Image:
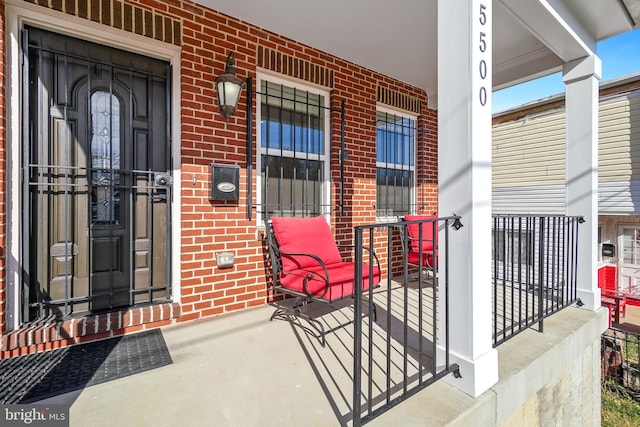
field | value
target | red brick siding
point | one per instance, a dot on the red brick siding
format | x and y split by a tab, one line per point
52	335
208	227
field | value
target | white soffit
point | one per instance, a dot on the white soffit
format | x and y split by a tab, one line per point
395	39
633	7
399	39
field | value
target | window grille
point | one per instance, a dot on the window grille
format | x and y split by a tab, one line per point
293	147
514	246
630	253
395	164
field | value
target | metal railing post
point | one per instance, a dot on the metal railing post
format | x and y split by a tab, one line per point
541	282
357	330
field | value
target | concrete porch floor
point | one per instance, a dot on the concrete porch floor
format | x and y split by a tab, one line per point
243	370
234	370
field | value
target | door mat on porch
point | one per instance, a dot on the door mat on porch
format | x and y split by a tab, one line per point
26	379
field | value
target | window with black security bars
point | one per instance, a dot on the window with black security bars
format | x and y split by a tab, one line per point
396	137
293	147
514	245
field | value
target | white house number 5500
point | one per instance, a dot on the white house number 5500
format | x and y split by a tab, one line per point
483	49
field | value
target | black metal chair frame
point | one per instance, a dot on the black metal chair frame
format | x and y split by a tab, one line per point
423	270
303	299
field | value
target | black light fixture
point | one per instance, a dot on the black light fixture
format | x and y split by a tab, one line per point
229	87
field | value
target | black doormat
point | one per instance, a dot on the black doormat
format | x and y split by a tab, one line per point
26	379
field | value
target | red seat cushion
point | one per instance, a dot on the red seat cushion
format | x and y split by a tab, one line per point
427	258
308	236
340	279
428	238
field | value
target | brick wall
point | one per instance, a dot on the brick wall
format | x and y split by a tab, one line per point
48	335
206	37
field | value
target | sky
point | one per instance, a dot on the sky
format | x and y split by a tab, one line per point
620	56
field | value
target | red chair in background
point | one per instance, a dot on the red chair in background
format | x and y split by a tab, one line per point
422	241
616	302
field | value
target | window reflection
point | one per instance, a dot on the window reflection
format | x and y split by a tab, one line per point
631	246
105	158
395	161
295	186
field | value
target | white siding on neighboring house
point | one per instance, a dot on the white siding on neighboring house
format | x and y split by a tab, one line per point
528	164
548	199
529	160
619	155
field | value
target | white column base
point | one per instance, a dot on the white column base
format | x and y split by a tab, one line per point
590	298
477	375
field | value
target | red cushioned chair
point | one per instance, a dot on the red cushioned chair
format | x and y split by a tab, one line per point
307	264
616	303
422	241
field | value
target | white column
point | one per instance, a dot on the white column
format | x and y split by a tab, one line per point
581	79
464	184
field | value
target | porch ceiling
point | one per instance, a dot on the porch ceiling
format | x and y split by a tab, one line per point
531	38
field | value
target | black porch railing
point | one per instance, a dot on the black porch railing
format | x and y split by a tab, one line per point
404	345
534	270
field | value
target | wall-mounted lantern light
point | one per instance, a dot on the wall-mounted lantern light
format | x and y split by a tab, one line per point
229	87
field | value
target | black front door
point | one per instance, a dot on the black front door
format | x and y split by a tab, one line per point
97	139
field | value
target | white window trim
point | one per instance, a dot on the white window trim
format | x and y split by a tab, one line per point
325	158
19	14
414	195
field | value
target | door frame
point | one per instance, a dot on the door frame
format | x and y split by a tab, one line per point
620	257
19	14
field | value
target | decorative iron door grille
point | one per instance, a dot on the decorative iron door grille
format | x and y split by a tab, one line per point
96	186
